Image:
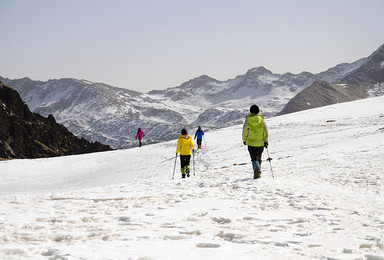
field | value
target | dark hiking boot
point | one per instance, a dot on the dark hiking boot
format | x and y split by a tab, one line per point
256	174
183	175
187	171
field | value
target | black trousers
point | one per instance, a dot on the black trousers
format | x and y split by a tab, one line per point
184	160
255	153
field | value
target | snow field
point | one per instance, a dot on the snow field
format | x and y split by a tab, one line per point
325	202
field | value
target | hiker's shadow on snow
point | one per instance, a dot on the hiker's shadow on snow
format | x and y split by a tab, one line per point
243	180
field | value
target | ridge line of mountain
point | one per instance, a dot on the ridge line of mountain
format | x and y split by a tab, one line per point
112	115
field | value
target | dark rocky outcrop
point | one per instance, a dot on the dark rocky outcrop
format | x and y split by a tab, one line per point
322	93
370	73
24	134
367	80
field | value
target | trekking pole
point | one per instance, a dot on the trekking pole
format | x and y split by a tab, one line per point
174	168
270	164
194	170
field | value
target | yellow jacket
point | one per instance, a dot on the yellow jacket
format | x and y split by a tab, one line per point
184	145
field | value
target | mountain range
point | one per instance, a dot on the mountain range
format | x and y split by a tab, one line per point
111	115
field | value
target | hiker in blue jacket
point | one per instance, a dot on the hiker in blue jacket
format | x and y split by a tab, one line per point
199	135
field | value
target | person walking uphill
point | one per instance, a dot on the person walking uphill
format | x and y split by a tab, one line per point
255	135
184	147
140	134
199	135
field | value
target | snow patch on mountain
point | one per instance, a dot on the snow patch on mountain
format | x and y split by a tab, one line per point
376	90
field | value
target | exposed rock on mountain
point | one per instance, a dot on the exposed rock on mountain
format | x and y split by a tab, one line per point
24	134
364	81
370	73
322	93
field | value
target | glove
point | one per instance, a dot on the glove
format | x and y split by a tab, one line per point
245	143
266	144
193	150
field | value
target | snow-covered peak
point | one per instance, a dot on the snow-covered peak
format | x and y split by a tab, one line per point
258	70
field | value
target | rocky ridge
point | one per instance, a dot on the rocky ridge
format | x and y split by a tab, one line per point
365	81
24	134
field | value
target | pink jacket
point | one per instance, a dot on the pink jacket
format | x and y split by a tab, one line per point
140	134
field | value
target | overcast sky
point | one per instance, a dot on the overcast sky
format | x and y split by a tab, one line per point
155	44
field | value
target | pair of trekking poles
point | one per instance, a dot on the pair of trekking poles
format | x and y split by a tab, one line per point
194	171
174	167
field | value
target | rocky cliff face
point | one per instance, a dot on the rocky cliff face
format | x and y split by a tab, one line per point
24	134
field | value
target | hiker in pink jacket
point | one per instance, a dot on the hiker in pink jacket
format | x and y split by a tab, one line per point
140	134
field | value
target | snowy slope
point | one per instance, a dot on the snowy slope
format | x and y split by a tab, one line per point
325	202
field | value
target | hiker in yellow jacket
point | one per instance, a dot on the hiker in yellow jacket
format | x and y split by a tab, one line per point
184	146
255	135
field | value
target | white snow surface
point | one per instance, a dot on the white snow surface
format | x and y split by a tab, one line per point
324	202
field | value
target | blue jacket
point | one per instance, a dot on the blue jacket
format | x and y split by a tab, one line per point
199	134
